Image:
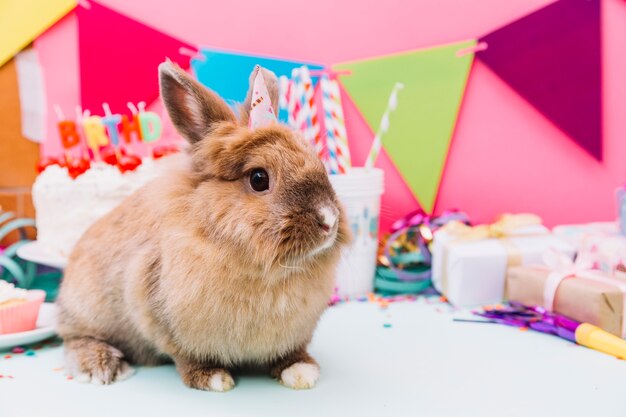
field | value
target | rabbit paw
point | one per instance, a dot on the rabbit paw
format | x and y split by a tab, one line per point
209	379
300	375
93	361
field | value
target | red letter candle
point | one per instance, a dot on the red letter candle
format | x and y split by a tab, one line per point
131	126
69	135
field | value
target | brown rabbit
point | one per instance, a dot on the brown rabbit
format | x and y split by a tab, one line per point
226	261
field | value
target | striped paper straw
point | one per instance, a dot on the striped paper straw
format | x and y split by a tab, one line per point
384	126
283	92
293	99
336	138
308	118
343	151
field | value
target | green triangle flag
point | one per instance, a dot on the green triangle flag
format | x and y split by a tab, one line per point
421	127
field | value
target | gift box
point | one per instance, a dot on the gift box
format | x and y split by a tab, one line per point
469	263
602	241
577	234
586	296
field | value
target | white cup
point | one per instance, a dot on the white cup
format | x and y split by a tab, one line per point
359	191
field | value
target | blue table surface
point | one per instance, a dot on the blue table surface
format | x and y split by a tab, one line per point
423	364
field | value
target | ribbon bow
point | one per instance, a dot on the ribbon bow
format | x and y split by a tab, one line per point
503	227
584	267
562	268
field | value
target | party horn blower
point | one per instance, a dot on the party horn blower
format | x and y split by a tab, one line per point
541	320
384	126
336	137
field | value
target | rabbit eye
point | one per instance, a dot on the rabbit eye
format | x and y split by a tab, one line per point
259	180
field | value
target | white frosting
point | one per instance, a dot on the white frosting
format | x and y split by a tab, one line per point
9	292
66	208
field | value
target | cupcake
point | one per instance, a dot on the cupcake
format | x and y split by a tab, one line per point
18	308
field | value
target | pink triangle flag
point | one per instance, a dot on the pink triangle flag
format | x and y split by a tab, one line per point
119	58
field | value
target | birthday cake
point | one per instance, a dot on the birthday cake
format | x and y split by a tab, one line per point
100	166
66	207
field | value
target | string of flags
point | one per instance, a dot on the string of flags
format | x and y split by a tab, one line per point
420	131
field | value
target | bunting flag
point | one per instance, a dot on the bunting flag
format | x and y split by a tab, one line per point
119	58
552	58
422	126
227	73
23	20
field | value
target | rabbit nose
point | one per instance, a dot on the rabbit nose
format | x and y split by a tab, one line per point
328	218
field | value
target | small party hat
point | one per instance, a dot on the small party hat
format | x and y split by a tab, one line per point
261	111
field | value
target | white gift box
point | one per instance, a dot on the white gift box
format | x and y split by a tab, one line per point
577	234
473	272
601	242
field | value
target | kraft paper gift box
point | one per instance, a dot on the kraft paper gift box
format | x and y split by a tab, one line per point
588	296
469	265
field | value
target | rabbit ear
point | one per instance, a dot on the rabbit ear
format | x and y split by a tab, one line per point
193	108
271	82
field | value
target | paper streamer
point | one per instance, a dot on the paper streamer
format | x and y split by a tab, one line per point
384	126
32	95
336	136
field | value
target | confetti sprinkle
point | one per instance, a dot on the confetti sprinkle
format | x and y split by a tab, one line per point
17	349
69	378
8	356
387	325
30	353
523	329
57	369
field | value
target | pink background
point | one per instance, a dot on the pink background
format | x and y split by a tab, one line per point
505	156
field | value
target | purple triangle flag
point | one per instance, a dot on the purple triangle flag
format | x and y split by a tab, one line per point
552	58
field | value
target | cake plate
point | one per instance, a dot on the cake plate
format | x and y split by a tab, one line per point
36	252
46	328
